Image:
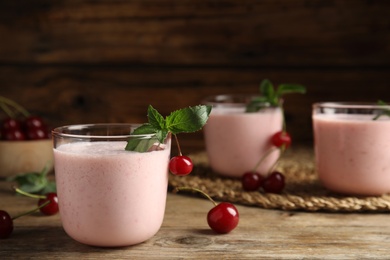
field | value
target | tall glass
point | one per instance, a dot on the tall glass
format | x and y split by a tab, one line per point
236	139
352	144
109	196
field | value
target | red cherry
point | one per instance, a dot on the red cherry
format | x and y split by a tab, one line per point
35	128
274	183
181	165
37	133
223	218
33	122
13	135
251	181
10	123
52	207
281	138
6	224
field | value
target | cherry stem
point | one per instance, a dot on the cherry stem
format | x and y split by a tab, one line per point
5	102
34	196
197	190
178	145
7	110
267	153
32	211
284	126
282	150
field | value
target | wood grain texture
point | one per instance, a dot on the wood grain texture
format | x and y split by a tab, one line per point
105	94
193	33
85	61
261	234
80	61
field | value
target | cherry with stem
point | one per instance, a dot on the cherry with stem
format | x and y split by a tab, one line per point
222	218
49	200
7	222
180	165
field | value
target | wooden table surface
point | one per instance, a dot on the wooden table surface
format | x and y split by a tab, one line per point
261	234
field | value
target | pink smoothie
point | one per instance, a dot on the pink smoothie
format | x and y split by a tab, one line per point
352	153
235	140
109	196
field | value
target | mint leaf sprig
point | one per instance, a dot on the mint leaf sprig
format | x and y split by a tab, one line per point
271	96
186	120
384	112
34	182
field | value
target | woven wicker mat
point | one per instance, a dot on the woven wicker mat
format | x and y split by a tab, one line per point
302	192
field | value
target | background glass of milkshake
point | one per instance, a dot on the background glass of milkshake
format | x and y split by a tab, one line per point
109	196
352	147
235	139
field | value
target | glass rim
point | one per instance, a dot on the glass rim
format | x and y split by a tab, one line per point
350	105
231	100
59	131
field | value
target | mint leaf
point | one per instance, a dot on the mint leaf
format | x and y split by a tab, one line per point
155	118
256	104
141	143
144	129
161	135
290	88
271	96
34	182
384	112
50	187
268	91
186	120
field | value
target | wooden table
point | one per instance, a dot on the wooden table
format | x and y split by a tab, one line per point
185	234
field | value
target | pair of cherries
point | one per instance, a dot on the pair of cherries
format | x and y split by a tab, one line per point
275	181
30	128
47	205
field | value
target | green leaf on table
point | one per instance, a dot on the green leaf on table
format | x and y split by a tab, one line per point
34	182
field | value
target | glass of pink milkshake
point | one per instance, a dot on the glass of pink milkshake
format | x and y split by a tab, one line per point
236	139
108	196
352	144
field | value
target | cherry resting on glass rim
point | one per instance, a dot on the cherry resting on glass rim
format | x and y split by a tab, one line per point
281	138
251	181
181	165
6	224
223	218
52	207
273	183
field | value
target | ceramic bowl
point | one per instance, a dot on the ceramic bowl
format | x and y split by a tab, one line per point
17	157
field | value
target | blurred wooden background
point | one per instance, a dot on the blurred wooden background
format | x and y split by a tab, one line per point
86	61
